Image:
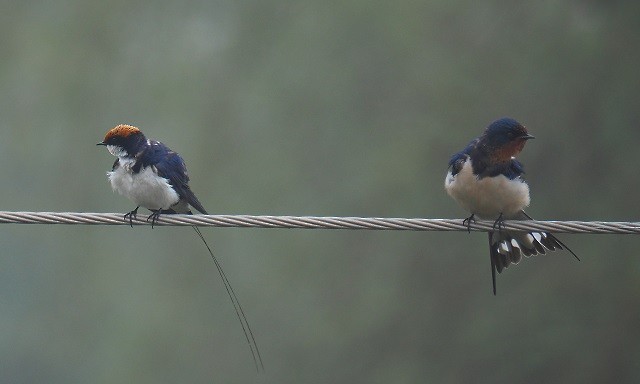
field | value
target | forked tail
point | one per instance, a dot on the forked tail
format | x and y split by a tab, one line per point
508	247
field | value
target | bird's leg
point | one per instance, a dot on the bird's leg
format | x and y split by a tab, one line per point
468	221
499	223
154	216
131	215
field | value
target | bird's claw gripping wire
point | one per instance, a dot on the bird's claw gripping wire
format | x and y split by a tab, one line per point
468	221
499	223
131	216
154	217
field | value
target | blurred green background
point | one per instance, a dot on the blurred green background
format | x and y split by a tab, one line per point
317	108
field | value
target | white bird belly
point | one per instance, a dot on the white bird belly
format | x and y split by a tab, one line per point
145	188
488	197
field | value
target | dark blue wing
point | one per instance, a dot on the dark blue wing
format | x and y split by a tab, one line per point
170	166
457	160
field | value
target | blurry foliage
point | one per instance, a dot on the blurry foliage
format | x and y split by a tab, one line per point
320	108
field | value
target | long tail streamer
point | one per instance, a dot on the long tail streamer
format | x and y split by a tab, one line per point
246	328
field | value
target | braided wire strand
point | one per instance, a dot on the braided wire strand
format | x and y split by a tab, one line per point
320	222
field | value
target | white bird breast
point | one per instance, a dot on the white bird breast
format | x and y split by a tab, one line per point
487	197
145	188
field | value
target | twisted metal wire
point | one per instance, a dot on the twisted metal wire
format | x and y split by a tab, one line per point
317	222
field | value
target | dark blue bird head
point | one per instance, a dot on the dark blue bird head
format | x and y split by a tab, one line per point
504	138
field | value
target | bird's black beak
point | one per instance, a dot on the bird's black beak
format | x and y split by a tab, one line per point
527	137
102	143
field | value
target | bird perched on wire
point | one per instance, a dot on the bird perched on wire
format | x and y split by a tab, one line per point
155	177
487	181
148	173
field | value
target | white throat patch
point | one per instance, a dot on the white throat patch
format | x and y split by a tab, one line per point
117	151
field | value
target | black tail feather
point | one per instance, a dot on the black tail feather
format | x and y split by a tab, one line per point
244	323
493	255
507	248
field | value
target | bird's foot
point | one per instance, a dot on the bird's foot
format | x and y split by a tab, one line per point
131	215
468	221
154	217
